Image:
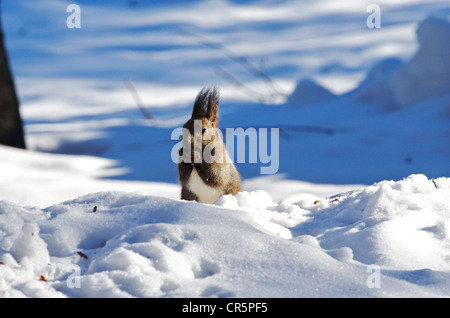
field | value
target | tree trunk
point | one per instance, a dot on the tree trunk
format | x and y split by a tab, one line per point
11	130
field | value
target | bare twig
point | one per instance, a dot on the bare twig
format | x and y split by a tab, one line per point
434	182
241	60
250	92
286	131
138	100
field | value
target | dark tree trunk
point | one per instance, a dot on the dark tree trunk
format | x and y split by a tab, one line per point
11	130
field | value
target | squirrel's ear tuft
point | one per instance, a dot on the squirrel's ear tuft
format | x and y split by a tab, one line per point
201	104
207	104
213	105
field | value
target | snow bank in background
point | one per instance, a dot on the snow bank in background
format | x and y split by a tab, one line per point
394	84
308	92
425	76
116	244
393	125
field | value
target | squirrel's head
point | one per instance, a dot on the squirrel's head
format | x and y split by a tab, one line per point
202	128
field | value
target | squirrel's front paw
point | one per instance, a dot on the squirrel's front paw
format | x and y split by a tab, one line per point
196	157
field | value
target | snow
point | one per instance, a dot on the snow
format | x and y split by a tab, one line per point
41	179
431	62
137	245
360	204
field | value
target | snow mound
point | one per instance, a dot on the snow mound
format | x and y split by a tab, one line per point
308	92
394	224
427	75
375	88
30	246
116	244
393	84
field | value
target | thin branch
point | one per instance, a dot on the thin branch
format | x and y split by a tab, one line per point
241	60
138	100
234	81
286	131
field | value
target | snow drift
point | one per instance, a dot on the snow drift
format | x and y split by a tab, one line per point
117	244
394	84
394	124
426	76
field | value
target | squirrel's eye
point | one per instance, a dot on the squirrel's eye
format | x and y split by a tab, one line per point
203	131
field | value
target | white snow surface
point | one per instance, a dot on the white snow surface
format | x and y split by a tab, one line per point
137	245
360	206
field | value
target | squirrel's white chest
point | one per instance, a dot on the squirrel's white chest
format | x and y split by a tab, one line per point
204	192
